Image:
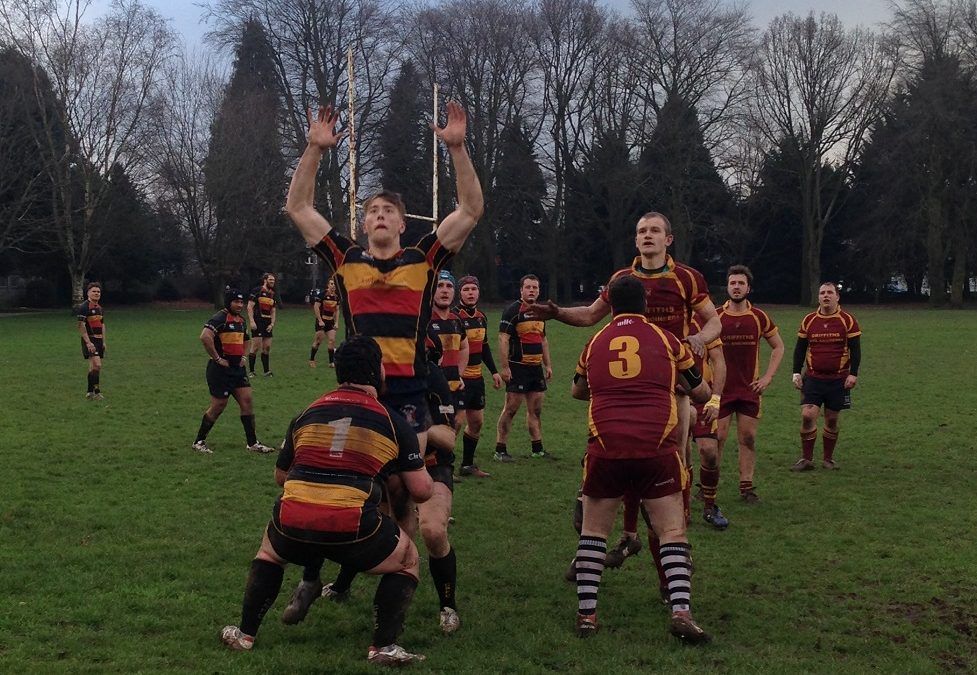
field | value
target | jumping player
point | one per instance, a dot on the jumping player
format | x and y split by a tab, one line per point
526	369
744	325
324	306
223	340
829	343
629	372
332	466
265	300
473	393
91	327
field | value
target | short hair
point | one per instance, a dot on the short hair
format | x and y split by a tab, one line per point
389	196
627	296
93	284
468	279
358	361
660	216
528	277
740	269
833	284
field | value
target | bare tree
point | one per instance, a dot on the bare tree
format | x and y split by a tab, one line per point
104	75
819	89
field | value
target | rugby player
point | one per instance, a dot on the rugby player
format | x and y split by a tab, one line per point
829	343
223	340
526	369
674	293
324	305
91	327
332	466
743	326
629	371
706	415
264	299
473	393
386	290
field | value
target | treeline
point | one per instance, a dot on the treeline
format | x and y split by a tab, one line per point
806	149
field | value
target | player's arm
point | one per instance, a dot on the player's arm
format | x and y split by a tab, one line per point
463	353
489	362
207	338
274	315
104	343
286	456
410	462
83	331
504	371
580	389
691	379
776	356
455	228
572	316
854	361
254	326
717	362
300	203
711	324
316	306
800	352
547	364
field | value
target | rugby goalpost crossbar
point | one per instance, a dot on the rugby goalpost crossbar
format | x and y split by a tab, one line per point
353	201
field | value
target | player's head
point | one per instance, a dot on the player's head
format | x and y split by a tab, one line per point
739	282
444	292
331	285
93	291
359	361
829	295
529	288
468	290
233	300
383	217
627	296
653	234
268	280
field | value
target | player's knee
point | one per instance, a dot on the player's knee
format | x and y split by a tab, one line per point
435	535
748	440
474	427
710	457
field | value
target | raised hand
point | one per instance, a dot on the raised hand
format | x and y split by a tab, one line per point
453	133
322	128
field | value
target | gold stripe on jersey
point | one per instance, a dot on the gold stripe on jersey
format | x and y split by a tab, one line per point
324	494
356	439
412	276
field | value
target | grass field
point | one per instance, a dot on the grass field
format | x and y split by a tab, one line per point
123	550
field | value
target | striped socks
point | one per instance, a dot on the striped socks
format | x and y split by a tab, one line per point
591	552
677	563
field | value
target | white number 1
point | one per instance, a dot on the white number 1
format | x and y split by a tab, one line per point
340	430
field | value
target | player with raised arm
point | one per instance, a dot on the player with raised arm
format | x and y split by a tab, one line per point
336	456
629	371
223	340
829	345
473	393
91	327
744	325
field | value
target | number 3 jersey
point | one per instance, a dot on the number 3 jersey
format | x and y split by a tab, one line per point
337	454
632	366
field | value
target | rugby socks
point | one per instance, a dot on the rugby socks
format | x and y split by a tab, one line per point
828	438
264	583
332	355
807	444
393	596
312	353
710	484
677	565
591	553
344	580
502	448
248	422
444	571
313	573
469	443
745	486
538	446
251	359
264	361
96	373
206	424
91	382
631	504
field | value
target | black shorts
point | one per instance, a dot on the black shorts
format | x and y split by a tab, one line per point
526	379
829	393
443	473
412	406
473	395
325	326
222	381
99	348
261	329
361	555
440	398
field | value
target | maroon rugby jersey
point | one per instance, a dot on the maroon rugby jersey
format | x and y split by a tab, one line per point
827	343
672	295
631	367
741	346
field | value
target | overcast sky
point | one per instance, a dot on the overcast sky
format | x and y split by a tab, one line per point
185	15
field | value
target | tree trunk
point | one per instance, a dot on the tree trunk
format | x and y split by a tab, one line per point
77	285
959	279
936	257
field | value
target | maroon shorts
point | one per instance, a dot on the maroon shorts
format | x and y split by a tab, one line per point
703	429
742	404
647	477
